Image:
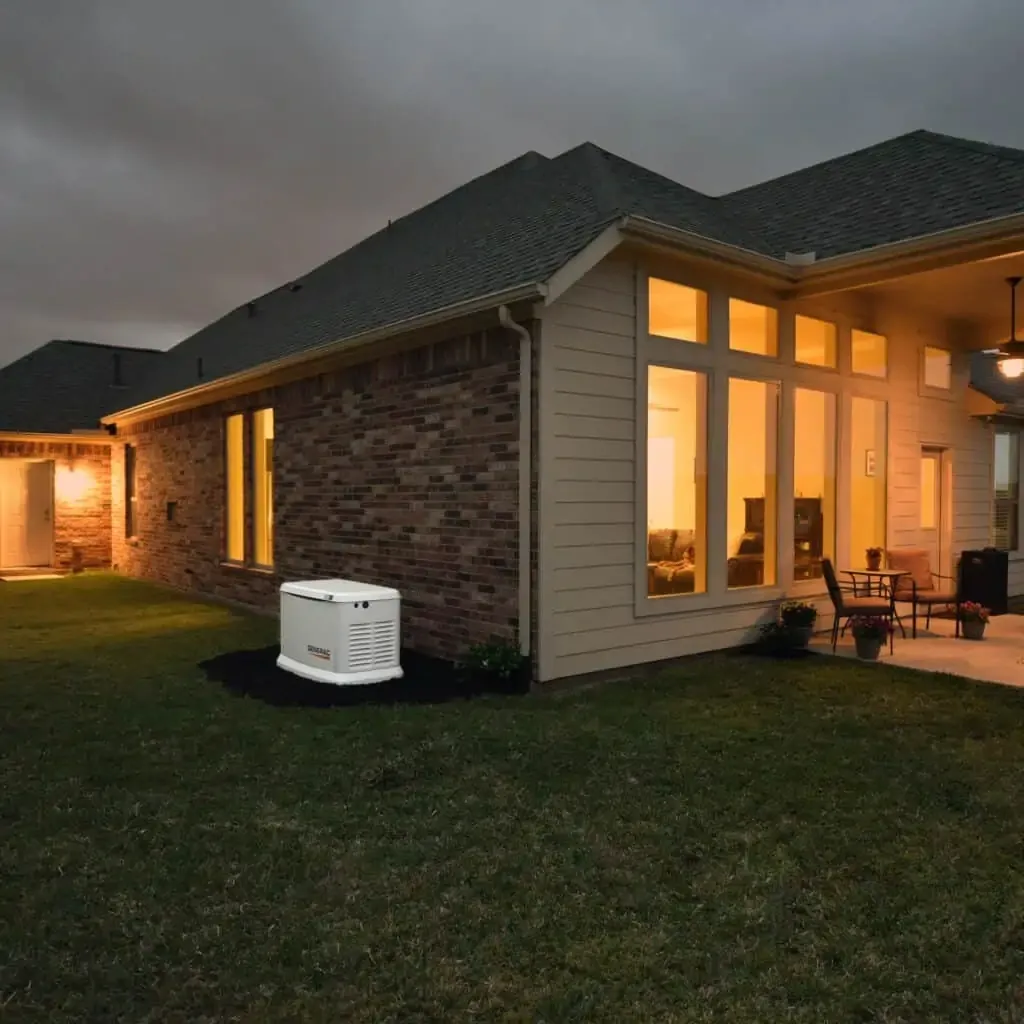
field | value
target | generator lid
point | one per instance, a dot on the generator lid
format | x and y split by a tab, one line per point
339	590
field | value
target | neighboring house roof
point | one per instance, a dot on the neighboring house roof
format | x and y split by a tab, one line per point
521	223
68	385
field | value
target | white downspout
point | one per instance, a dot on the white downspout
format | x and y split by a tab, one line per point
525	472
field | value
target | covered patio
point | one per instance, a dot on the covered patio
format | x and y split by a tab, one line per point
999	658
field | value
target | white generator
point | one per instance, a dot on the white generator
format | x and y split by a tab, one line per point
340	632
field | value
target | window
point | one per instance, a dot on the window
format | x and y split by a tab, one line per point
1007	490
814	481
129	490
815	341
234	476
676	482
938	368
753	328
263	486
751	515
677	311
868	354
868	459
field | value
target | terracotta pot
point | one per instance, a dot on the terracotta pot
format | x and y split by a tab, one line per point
974	629
868	647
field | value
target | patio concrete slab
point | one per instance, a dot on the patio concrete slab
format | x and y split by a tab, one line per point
999	658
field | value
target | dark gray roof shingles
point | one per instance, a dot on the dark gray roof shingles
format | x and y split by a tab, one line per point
68	385
520	223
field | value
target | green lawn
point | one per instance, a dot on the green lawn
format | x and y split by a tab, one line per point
739	840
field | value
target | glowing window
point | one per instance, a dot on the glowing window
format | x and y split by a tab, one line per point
677	311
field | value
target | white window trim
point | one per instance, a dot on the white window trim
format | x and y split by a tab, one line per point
719	363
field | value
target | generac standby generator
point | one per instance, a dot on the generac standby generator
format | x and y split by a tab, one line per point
340	632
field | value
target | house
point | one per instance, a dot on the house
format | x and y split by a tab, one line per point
579	404
55	492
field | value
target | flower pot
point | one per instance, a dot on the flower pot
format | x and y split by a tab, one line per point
874	562
868	647
801	635
974	629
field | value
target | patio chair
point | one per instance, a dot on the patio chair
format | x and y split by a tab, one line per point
921	587
846	604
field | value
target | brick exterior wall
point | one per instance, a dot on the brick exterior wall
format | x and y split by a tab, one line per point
402	471
82	497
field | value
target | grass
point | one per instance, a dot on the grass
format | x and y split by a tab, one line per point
737	840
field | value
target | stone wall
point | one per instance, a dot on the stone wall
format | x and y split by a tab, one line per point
402	471
82	497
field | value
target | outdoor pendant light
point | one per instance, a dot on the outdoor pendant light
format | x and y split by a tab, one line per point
1011	353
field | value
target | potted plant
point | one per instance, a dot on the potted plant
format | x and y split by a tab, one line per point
874	558
798	618
973	618
869	633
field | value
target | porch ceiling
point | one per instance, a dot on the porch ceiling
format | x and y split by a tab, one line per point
975	295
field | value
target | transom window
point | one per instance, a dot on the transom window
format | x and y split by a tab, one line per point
815	341
677	311
868	354
753	328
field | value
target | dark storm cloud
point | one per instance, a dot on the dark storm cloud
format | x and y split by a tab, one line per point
162	162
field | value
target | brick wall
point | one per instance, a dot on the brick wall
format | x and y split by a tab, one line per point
82	497
402	471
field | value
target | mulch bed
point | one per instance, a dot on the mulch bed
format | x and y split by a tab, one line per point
427	680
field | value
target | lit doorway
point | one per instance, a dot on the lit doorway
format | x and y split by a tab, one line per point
935	519
26	514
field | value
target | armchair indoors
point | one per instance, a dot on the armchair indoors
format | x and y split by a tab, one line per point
922	587
846	604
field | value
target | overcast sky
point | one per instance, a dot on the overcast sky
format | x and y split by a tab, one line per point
162	161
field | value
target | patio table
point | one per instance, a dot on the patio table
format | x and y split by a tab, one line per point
884	580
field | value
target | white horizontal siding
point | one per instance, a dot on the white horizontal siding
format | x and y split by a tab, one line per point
588	615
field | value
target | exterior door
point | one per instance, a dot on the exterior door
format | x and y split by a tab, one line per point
26	514
934	526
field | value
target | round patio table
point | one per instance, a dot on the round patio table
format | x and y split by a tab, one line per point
880	581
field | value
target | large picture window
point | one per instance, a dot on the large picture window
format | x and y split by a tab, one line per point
263	486
752	482
814	481
868	460
1006	507
676	482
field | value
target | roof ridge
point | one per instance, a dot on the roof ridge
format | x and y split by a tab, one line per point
607	192
974	145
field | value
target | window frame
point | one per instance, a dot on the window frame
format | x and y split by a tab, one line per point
718	362
248	510
226	484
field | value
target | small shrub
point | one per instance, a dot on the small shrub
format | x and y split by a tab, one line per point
798	614
498	658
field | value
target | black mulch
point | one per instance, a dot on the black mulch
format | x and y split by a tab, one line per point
426	681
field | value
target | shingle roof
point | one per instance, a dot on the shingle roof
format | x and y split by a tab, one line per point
68	385
520	223
913	185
